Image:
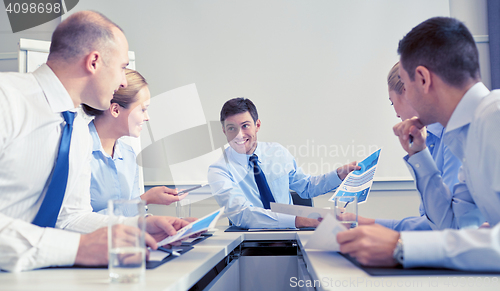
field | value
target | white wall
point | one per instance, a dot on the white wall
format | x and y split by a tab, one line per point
474	14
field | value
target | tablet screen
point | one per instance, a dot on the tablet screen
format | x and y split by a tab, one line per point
202	224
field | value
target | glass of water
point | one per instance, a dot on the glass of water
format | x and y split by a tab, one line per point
346	210
183	208
126	243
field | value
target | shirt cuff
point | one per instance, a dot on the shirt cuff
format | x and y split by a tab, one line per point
389	223
423	249
132	221
58	247
422	163
286	220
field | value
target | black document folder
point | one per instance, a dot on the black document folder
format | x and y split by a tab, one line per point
400	271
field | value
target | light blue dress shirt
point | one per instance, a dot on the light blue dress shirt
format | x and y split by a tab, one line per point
472	135
114	177
233	185
446	208
447	164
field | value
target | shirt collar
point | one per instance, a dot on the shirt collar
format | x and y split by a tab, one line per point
117	154
242	159
97	146
436	129
55	93
258	152
464	112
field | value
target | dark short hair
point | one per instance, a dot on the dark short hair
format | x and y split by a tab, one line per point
236	106
444	46
80	34
125	95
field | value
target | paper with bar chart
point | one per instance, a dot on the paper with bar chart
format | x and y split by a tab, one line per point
358	183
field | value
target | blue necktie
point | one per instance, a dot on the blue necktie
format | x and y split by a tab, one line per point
265	192
49	210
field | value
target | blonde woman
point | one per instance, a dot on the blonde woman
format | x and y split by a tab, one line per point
115	173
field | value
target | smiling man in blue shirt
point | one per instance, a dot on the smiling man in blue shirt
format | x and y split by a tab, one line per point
233	177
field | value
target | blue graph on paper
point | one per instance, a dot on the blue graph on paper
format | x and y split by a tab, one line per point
358	183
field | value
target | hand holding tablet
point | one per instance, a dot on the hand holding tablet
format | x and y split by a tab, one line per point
203	224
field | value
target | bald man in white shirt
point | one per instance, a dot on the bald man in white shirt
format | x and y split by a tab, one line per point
86	64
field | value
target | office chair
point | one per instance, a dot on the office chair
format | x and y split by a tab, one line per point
297	200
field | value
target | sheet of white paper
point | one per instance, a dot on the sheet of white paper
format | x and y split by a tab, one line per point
156	255
358	183
300	210
325	235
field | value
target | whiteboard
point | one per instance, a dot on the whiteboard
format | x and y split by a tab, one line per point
34	53
316	71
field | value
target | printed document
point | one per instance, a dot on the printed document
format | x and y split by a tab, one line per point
358	183
325	236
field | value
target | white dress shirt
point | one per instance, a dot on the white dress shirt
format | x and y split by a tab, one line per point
30	131
473	136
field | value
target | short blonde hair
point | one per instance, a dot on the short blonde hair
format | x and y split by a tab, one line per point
393	80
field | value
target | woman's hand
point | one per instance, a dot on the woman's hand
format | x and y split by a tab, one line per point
162	195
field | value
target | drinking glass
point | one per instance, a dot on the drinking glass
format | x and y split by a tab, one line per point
126	243
346	210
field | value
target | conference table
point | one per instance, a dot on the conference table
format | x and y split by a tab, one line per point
260	260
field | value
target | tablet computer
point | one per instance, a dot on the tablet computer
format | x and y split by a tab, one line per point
205	223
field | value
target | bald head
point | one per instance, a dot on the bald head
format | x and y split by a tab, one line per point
80	34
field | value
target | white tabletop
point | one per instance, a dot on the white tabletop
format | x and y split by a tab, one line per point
329	268
337	273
